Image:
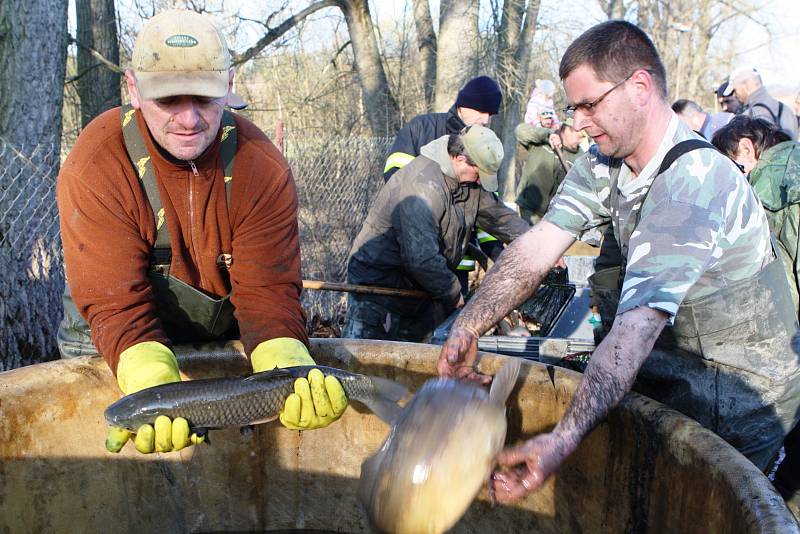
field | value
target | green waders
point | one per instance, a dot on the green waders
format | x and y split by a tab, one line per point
186	314
727	361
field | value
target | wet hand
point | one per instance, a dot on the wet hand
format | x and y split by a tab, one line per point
525	468
316	402
457	359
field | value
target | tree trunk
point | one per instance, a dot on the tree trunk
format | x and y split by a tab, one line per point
426	43
457	42
517	29
381	106
33	45
98	86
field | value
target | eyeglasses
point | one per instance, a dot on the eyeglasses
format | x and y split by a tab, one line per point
588	107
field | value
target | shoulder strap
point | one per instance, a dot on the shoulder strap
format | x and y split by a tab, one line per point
776	120
673	154
680	149
161	255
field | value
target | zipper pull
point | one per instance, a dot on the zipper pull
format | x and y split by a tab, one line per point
194	168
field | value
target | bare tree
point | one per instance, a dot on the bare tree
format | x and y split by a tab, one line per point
426	43
98	86
381	106
517	28
33	44
455	50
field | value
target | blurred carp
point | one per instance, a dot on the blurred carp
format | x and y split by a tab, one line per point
437	455
241	401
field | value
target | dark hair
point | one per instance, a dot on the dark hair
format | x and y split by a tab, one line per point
761	132
455	146
614	50
683	105
563	127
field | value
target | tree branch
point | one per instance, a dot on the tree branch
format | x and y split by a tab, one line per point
97	55
273	34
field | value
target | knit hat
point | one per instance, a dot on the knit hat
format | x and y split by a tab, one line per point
481	94
181	52
486	151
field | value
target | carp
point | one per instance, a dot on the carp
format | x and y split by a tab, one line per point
437	455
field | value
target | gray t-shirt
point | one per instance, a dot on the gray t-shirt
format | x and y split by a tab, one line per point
700	229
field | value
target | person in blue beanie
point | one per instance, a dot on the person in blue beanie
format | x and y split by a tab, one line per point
476	102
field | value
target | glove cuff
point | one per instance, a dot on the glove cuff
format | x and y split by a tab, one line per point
145	365
280	352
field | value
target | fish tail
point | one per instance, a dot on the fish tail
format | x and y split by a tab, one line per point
383	401
505	380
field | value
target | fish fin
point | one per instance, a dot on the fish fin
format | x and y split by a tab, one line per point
505	380
269	375
384	402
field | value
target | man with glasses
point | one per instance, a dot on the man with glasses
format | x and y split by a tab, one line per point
699	279
416	233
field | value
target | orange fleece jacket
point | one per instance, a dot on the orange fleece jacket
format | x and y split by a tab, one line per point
108	230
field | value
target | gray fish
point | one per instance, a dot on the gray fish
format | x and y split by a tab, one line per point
241	401
437	455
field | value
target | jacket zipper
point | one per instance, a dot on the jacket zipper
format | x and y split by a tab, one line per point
191	221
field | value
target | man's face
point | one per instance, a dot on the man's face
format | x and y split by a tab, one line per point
471	117
185	126
614	123
546	121
465	172
571	138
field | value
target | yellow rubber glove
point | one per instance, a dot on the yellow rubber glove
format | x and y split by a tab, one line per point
141	366
317	401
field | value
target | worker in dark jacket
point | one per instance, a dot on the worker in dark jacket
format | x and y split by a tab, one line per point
476	102
416	232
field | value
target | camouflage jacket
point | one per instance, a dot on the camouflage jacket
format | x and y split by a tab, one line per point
700	228
776	181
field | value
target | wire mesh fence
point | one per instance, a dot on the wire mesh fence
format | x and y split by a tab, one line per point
337	179
31	270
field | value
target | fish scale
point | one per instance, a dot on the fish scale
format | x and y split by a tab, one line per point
241	401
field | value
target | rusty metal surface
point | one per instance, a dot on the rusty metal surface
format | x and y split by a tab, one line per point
646	469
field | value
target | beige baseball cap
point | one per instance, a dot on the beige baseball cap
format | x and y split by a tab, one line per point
181	52
486	151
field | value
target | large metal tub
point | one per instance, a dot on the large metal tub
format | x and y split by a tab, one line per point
646	469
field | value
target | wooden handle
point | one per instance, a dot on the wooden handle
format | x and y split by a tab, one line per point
364	290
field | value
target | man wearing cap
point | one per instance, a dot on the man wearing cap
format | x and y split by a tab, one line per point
179	225
699	315
745	84
727	103
416	232
550	156
475	104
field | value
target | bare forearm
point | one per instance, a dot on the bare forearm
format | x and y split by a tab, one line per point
520	270
610	373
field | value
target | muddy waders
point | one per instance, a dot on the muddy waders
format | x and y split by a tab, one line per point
186	314
727	360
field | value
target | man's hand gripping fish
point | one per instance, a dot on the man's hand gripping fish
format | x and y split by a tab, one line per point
242	401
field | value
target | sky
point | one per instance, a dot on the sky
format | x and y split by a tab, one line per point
774	54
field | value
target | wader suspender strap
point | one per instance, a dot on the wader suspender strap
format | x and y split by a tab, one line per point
161	254
674	153
775	119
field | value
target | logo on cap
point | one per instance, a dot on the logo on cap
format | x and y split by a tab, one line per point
181	41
